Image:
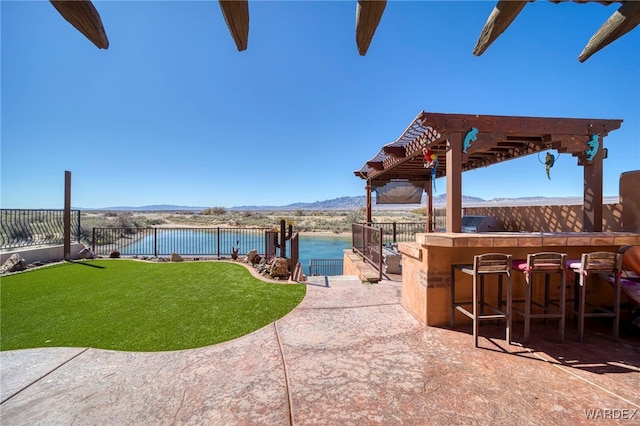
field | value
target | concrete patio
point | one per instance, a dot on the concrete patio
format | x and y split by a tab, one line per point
348	354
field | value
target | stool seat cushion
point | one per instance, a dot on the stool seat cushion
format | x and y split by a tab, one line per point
574	263
519	264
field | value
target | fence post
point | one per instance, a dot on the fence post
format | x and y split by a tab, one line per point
380	262
155	242
67	215
79	234
218	240
394	232
93	240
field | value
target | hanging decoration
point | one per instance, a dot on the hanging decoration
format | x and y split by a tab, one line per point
594	144
549	162
471	136
431	162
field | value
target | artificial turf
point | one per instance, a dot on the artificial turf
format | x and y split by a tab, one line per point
138	306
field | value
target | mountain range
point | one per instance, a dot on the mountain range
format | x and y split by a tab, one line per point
349	203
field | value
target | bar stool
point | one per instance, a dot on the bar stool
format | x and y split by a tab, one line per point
485	264
545	263
596	263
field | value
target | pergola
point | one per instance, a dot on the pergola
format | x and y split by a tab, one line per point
85	18
462	142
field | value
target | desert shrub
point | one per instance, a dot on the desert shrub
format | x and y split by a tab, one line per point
355	216
125	220
214	211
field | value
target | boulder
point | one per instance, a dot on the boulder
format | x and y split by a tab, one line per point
86	253
252	257
114	254
279	268
175	257
14	263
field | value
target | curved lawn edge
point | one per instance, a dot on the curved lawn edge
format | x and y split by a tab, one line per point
157	307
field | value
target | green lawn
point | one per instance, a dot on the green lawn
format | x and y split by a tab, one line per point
137	306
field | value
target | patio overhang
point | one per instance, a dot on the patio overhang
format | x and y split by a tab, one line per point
462	142
85	18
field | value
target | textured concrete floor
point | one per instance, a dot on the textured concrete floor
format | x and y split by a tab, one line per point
349	354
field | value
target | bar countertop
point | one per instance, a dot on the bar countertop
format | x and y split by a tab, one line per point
527	239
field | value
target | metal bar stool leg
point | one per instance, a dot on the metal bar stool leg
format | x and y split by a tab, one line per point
527	307
476	321
563	307
453	297
581	306
616	309
509	308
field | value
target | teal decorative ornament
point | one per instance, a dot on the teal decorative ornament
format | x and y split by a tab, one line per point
594	144
471	136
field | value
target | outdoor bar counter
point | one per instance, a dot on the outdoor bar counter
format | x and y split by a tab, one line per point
426	264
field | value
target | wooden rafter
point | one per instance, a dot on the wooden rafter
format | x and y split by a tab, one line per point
501	17
626	18
85	18
236	15
368	15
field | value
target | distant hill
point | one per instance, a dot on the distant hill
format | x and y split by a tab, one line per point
349	203
151	208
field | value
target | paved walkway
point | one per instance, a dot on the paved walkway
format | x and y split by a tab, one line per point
349	354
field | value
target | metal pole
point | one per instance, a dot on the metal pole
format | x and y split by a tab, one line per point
67	215
218	240
369	208
79	234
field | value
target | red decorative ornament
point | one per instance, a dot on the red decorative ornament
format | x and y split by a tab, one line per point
430	158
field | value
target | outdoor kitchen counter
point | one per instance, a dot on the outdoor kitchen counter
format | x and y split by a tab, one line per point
426	263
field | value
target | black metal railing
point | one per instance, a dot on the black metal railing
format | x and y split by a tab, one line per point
326	267
24	228
206	242
396	232
367	242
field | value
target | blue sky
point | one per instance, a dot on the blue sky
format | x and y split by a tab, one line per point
172	113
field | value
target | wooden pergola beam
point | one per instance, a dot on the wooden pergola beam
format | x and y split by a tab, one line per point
396	151
625	19
85	18
368	15
501	17
236	15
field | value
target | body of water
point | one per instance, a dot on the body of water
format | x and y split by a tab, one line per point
322	247
192	242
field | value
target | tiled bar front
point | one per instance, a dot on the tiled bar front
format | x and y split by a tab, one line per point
426	264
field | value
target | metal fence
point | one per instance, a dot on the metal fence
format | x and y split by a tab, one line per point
326	267
206	242
367	242
396	232
24	228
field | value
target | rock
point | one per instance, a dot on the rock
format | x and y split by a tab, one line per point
175	257
86	253
279	268
251	257
14	263
114	254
